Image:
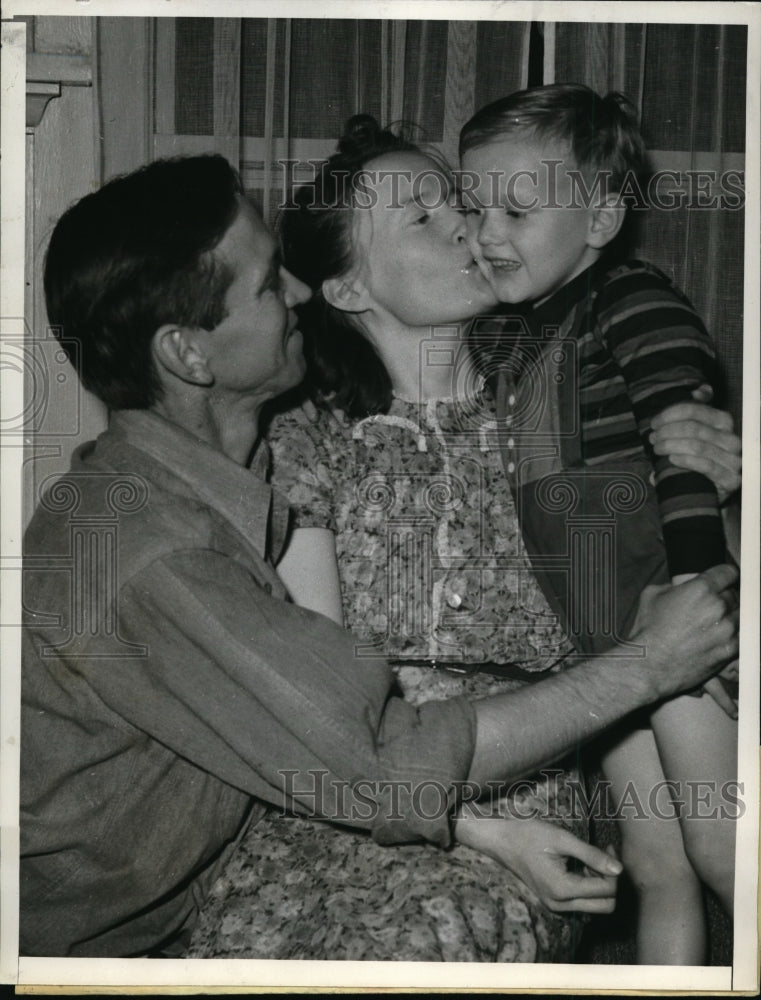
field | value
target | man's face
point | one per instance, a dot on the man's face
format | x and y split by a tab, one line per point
256	350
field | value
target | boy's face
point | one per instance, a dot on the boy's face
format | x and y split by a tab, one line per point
530	226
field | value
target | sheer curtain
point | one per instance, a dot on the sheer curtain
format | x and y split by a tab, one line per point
261	91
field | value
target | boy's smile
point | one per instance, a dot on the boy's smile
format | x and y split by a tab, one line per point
526	229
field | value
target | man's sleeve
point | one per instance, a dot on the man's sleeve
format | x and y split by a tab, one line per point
664	352
272	699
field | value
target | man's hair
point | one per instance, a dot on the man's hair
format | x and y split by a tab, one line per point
133	256
601	132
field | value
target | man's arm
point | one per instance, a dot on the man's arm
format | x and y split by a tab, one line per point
695	436
685	633
248	687
275	700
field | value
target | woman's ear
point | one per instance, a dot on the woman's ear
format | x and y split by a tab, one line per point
177	350
347	293
605	223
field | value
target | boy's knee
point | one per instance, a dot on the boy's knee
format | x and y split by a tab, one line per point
711	856
664	870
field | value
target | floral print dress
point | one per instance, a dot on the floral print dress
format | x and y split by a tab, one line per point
432	567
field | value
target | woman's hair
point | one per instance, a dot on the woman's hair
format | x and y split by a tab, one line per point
316	238
602	132
133	256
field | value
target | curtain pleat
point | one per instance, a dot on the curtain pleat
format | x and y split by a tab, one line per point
227	87
460	84
269	113
123	93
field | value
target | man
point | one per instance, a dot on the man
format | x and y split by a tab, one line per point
167	682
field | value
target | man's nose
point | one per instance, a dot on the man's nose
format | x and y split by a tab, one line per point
296	292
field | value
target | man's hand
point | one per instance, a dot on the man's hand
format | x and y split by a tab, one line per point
697	437
540	853
688	630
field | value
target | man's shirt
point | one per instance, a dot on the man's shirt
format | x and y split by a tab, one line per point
168	684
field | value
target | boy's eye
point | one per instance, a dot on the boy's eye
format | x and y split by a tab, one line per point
514	214
421	219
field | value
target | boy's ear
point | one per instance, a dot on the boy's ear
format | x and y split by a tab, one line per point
347	293
177	350
605	223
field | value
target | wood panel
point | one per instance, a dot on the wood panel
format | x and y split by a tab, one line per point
63	166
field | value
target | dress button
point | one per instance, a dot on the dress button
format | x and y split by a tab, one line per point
454	601
267	588
511	467
511	400
511	442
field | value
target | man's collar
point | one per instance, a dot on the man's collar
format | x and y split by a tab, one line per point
239	494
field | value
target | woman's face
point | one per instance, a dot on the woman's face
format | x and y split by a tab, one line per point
414	263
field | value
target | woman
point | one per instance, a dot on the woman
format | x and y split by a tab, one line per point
406	533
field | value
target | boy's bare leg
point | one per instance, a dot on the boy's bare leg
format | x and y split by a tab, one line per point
670	919
697	743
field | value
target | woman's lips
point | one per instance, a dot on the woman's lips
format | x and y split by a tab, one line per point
476	267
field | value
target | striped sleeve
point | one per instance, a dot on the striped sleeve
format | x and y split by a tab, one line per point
664	352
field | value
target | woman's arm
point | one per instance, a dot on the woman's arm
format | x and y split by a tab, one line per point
309	570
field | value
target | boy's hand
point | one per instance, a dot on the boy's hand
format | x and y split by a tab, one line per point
695	436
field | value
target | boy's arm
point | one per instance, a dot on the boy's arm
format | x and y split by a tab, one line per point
663	353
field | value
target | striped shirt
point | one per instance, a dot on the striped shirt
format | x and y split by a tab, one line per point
641	348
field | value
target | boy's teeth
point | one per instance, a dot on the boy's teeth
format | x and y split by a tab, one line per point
505	265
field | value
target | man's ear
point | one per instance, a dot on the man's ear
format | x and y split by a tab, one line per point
605	223
177	349
347	293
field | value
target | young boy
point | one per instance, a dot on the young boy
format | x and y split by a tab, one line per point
606	346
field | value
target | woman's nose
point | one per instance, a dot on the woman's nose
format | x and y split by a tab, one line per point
296	292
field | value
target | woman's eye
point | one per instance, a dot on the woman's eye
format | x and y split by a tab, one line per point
512	214
468	210
422	219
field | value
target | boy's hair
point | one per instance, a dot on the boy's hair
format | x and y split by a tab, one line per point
133	256
601	132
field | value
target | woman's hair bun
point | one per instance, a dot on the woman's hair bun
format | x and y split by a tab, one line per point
362	132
